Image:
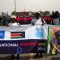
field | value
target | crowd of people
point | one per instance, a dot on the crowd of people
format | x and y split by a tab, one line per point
53	19
56	18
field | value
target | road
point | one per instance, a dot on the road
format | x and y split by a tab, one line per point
28	57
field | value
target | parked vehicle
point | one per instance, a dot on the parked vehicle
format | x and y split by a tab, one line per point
24	20
48	19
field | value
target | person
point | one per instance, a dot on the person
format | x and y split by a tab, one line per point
55	43
4	21
37	21
13	23
56	18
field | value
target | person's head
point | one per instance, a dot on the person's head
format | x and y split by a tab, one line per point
56	14
13	20
37	15
57	35
53	12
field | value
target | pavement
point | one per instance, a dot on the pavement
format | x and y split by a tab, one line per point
29	57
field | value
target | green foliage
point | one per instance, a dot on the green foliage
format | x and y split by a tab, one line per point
13	13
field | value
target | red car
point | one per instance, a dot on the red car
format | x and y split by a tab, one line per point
48	19
24	20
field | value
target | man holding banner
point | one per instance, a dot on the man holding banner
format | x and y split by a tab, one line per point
38	22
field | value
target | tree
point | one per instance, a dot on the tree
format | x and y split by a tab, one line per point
13	13
47	13
41	13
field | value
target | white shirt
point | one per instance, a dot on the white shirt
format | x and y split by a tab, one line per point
14	24
36	21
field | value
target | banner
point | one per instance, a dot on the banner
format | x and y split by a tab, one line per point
2	34
23	39
24	32
23	46
54	39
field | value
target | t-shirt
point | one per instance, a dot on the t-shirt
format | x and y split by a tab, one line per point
36	21
14	24
56	21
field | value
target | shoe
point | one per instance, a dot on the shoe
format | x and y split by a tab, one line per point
39	55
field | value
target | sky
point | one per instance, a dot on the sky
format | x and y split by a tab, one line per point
29	5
